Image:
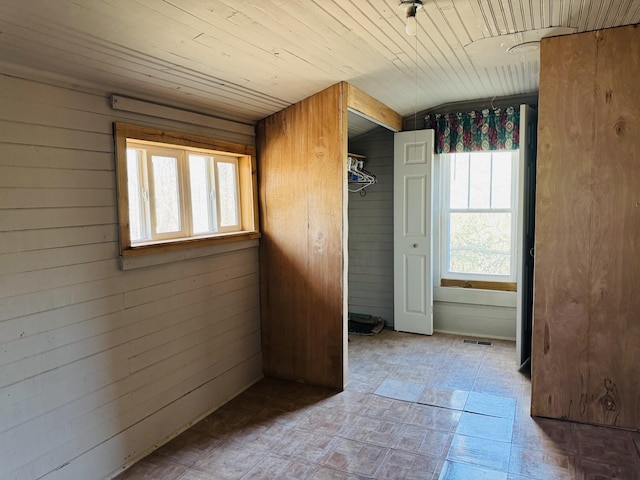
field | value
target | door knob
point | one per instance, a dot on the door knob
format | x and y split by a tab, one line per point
415	245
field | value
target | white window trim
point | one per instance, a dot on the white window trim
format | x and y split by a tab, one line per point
145	172
229	228
246	178
452	294
445	212
150	185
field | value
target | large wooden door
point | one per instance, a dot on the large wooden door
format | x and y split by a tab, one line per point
301	250
586	340
413	278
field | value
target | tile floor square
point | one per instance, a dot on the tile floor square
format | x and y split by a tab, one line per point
488	404
323	473
304	444
354	457
386	408
371	430
153	467
541	465
229	462
272	467
433	417
587	469
543	434
483	426
400	390
399	465
453	399
462	471
480	452
412	438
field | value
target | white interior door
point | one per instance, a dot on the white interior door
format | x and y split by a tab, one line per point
412	230
526	215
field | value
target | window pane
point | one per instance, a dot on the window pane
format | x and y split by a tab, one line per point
201	205
134	187
480	243
166	194
501	175
480	188
227	195
459	185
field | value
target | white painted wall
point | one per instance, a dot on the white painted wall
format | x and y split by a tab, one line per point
477	313
99	365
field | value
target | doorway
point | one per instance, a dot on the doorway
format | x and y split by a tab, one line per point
370	244
370	286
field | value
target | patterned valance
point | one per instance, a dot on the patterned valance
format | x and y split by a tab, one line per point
478	131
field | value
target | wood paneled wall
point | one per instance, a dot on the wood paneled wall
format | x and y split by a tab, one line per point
98	365
586	342
302	178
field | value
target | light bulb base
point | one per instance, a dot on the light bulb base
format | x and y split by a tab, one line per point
417	4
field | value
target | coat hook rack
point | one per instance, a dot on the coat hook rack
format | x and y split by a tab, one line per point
358	178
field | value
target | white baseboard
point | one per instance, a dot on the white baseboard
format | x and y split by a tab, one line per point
475	320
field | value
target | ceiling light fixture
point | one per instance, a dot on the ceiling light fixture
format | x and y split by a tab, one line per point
411	7
516	48
525	47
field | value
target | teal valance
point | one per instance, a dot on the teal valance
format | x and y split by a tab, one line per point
477	131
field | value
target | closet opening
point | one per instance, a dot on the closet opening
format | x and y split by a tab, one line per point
370	226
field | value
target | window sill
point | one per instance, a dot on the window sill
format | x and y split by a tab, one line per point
479	284
473	296
176	251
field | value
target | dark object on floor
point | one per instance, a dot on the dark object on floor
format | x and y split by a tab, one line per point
477	342
363	324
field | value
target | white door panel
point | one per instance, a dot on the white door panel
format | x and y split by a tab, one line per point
415	271
413	289
414	198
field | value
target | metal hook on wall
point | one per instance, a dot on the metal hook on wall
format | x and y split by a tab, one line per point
358	177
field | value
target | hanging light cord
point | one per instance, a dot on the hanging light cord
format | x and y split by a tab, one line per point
415	64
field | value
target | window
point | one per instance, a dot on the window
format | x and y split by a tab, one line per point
479	219
183	190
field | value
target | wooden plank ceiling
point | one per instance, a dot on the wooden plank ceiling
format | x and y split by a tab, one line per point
245	60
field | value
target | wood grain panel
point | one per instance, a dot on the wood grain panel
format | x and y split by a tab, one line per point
373	109
613	390
586	359
302	154
503	286
563	216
